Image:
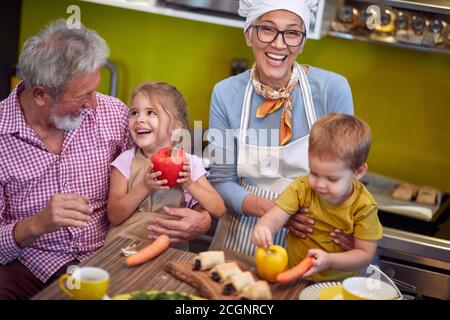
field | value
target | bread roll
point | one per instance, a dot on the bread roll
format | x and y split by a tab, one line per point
222	272
259	290
238	281
404	192
427	195
208	259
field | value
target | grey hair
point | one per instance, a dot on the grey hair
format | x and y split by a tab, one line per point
56	54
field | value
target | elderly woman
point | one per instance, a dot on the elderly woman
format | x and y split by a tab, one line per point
271	108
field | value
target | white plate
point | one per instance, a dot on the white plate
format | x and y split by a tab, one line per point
312	292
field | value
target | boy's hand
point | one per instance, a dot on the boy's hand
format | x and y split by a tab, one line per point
321	260
262	237
186	179
150	182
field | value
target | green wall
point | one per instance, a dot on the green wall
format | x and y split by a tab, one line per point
403	94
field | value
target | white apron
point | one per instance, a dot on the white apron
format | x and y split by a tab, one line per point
265	172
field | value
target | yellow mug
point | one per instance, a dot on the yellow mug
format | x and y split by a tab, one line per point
362	288
85	283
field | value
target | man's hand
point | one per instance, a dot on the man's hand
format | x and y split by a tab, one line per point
344	240
63	210
190	224
300	224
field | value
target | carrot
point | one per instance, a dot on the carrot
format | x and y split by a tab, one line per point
149	252
295	272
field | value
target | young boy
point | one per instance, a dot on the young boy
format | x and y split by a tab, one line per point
338	148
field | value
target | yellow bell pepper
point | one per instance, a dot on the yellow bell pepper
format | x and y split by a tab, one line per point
271	261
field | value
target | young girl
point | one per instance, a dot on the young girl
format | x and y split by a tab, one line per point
136	195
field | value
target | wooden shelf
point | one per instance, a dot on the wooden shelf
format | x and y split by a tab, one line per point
349	36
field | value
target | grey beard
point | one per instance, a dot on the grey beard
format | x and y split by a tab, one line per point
66	123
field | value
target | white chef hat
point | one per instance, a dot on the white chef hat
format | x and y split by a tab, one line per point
253	9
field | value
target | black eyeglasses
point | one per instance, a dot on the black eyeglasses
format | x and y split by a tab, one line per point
292	38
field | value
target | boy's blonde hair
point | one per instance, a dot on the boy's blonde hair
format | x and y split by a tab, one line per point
342	137
171	100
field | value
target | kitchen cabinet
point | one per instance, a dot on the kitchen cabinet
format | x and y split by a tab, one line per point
319	28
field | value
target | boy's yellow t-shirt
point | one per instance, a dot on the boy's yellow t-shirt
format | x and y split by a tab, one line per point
357	216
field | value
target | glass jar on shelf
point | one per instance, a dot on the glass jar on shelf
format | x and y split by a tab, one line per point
435	33
419	25
402	25
347	19
402	21
387	21
384	25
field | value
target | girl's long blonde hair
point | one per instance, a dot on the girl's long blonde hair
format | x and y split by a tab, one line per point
171	100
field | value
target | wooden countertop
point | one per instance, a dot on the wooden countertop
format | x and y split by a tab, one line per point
148	276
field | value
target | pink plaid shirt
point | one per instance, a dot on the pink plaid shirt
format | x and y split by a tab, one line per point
30	175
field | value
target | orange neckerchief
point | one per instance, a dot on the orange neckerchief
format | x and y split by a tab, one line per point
275	99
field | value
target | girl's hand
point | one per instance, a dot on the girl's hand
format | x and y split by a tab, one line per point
321	260
150	182
262	237
185	181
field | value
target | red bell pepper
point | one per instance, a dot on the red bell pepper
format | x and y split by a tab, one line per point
170	162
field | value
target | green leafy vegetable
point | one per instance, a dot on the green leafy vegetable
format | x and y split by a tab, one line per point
159	295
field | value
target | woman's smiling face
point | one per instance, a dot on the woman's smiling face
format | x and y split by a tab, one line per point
274	60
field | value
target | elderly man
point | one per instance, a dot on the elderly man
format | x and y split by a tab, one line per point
57	139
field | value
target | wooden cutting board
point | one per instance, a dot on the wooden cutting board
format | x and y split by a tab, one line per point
182	270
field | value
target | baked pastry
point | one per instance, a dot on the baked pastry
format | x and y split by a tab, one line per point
404	192
427	195
222	272
208	259
235	283
259	290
